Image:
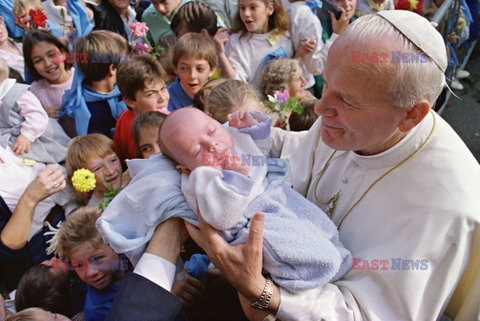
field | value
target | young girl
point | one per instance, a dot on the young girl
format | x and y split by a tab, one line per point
24	124
145	132
95	152
261	33
11	51
44	57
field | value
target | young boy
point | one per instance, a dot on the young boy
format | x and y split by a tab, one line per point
194	60
95	263
94	100
142	84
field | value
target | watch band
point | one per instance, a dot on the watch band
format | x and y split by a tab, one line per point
264	300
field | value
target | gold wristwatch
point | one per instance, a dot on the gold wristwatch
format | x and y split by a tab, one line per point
264	300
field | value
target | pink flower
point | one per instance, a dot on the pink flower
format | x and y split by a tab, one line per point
281	96
138	29
141	47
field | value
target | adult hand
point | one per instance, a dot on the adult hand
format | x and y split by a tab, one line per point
168	239
220	38
22	145
49	181
188	290
241	264
341	24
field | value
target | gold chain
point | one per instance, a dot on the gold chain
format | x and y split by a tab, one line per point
333	200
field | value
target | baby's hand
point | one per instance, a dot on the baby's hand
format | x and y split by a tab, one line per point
241	119
21	145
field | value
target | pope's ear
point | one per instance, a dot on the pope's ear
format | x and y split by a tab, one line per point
183	169
415	115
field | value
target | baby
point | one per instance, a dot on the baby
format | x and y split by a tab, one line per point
227	178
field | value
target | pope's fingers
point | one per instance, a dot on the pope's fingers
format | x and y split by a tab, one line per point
255	236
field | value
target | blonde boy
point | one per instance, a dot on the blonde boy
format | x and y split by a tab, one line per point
194	60
95	263
142	84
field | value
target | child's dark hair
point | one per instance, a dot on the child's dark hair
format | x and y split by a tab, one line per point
139	71
97	45
193	17
41	288
278	22
304	121
145	120
33	37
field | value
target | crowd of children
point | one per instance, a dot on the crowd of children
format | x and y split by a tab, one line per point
75	90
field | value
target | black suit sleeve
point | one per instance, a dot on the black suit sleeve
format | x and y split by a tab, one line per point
141	299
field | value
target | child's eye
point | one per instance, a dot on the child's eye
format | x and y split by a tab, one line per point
145	148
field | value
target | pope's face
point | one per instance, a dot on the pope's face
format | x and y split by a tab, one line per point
355	111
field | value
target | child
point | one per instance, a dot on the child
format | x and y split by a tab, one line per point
115	16
306	119
24	124
145	133
10	50
142	83
96	153
195	16
194	60
284	75
95	263
230	96
94	100
45	61
261	33
201	98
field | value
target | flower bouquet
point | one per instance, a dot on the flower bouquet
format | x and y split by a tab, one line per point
34	19
282	103
141	44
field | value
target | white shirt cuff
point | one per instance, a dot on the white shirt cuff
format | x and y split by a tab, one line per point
156	269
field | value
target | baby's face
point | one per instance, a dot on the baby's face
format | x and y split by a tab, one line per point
195	139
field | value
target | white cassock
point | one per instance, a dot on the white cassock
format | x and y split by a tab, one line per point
419	218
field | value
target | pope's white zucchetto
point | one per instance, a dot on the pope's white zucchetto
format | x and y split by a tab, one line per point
420	32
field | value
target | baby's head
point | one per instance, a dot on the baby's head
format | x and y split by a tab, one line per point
190	137
79	241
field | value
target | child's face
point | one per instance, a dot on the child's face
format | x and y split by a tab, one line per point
348	5
296	86
107	170
3	31
48	62
119	4
166	7
193	143
154	97
254	15
148	141
95	267
193	73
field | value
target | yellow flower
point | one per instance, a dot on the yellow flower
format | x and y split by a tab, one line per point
83	180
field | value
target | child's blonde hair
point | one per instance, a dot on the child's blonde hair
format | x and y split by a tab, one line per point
200	99
195	45
3	70
79	228
103	48
277	75
137	73
20	7
278	22
30	314
82	148
229	96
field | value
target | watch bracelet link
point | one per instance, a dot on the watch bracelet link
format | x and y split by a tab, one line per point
264	300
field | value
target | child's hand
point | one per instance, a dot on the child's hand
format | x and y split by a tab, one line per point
188	290
241	119
307	46
21	145
220	38
53	112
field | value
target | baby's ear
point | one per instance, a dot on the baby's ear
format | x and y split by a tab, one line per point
183	169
